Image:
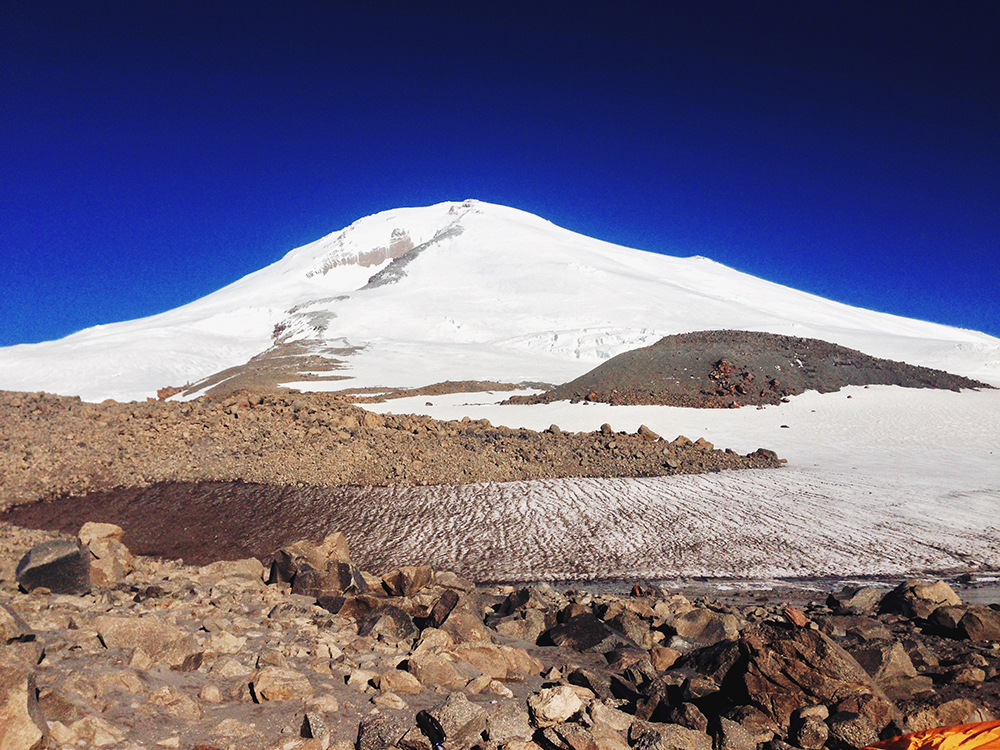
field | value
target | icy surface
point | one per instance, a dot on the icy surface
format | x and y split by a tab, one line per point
879	481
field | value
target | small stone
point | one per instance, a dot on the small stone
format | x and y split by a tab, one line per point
211	693
390	700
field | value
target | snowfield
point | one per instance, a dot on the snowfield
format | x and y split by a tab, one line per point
879	480
480	292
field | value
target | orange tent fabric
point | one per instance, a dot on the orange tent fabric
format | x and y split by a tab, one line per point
984	736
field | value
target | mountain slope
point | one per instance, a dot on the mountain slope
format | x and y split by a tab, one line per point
458	291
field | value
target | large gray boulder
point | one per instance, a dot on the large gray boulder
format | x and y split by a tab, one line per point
61	566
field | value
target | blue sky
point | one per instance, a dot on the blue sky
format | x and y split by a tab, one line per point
153	152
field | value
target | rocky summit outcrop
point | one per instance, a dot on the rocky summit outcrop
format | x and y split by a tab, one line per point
312	653
725	369
52	446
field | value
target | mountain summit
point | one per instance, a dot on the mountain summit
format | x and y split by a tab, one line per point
456	291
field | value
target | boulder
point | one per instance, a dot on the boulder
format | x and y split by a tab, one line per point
62	567
587	634
553	705
162	643
662	657
980	623
687	715
705	627
280	684
646	736
634	628
461	720
465	623
12	627
778	669
730	735
499	662
22	726
408	581
336	578
398	681
891	667
249	568
602	713
435	670
762	728
111	561
809	732
527	625
291	558
380	732
91	532
855	600
441	609
950	713
388	621
917	600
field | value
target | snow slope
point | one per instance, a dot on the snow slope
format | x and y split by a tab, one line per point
483	292
880	481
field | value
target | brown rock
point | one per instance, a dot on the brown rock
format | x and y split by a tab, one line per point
279	684
647	736
788	668
408	581
663	658
917	600
855	600
91	532
980	623
462	721
380	732
795	616
551	706
163	643
398	681
435	670
704	627
951	713
508	721
111	561
22	726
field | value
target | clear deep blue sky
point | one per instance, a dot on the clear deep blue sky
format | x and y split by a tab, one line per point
152	152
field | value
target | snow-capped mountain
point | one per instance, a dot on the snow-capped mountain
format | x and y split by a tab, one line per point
459	291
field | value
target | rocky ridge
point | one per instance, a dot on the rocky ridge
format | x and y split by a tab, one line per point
100	648
53	445
727	369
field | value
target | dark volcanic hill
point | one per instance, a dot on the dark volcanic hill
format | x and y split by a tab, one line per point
722	369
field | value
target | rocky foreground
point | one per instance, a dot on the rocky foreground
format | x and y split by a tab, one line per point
54	445
100	648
